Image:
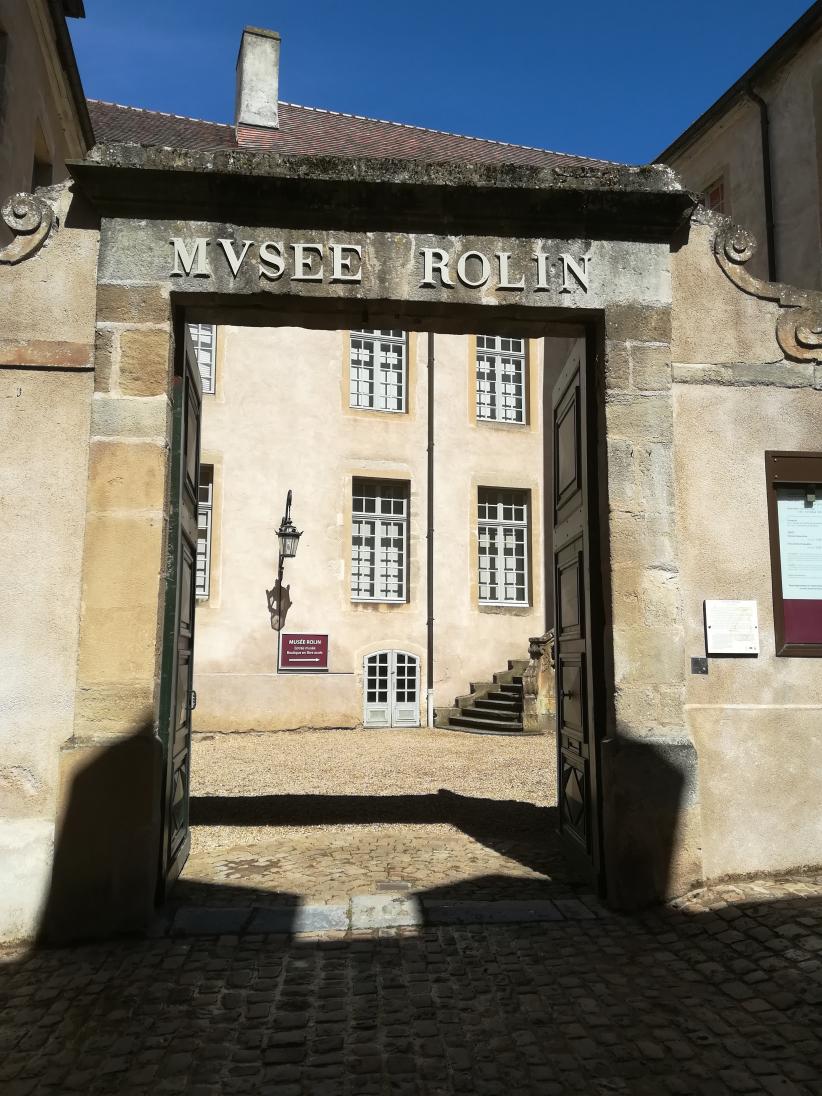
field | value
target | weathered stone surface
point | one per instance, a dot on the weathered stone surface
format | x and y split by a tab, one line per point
126	476
651	367
617	365
110	709
144	362
641	418
132	304
121	568
781	374
377	911
130	418
103	360
637	322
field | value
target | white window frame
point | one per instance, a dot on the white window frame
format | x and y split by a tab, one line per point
375	576
503	520
378	370
501	369
204	338
205	511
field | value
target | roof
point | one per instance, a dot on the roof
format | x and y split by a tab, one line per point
781	51
309	131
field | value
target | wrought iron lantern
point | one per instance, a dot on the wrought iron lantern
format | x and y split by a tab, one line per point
288	534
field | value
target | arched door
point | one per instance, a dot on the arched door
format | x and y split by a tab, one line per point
391	689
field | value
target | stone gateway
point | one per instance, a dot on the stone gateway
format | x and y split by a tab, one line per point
601	378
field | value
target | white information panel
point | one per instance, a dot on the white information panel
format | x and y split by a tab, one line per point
800	544
731	628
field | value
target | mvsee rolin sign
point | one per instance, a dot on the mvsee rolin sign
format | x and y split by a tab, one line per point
302	651
447	267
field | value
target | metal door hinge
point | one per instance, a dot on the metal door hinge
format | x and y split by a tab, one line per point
192	700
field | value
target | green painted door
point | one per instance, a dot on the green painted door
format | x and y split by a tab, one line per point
178	626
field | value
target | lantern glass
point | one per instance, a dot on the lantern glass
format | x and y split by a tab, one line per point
289	539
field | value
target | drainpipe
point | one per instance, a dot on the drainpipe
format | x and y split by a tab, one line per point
767	178
429	662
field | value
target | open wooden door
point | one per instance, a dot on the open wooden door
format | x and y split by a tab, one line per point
176	694
577	664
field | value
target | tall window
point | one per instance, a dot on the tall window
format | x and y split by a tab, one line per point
378	370
203	335
502	537
500	378
204	511
379	539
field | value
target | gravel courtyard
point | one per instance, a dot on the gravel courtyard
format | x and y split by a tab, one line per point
322	815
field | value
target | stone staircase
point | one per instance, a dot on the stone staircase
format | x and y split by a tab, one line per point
492	707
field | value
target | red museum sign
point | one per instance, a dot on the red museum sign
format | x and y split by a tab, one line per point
300	651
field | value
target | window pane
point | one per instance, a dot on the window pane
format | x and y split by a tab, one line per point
378	370
502	546
378	540
203	335
500	378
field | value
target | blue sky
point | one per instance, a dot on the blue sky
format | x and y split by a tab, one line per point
617	79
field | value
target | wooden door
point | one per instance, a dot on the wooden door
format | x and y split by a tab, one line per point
577	669
178	626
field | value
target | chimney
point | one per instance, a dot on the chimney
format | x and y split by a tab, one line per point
258	78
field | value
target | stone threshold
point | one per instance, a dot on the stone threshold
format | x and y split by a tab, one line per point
366	912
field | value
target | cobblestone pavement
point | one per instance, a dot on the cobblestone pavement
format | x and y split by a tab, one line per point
717	996
321	816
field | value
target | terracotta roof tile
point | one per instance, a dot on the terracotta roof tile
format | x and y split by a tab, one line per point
309	131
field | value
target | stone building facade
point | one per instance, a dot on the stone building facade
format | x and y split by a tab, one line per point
684	437
756	155
44	118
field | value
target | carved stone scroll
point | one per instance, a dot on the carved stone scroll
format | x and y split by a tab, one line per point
538	684
799	327
30	219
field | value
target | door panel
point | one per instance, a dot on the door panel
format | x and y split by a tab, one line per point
576	682
391	688
406	694
178	624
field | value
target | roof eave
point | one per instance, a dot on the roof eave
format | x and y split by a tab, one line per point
265	187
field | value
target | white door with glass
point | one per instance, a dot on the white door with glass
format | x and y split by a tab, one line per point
391	688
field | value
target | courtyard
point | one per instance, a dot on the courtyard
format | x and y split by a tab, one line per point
317	818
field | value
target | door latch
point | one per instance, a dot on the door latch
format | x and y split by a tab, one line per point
192	700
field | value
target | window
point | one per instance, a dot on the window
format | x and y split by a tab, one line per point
502	538
378	370
204	337
379	535
500	378
205	496
715	195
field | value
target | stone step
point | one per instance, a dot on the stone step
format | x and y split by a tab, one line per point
506	704
489	725
495	715
509	698
518	665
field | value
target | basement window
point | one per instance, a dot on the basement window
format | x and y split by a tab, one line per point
500	369
378	370
502	544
